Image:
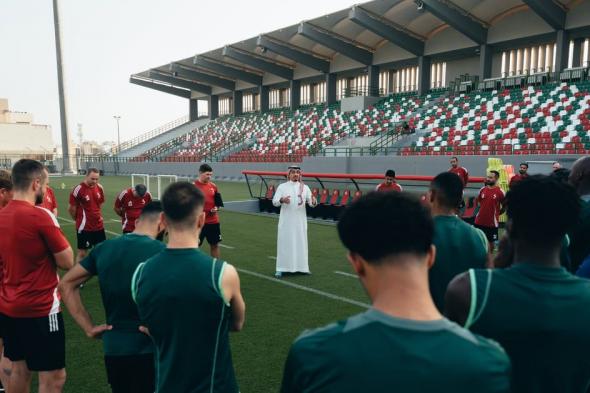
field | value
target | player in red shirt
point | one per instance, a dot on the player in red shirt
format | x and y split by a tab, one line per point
389	184
32	247
491	205
49	201
5	188
212	228
85	202
129	203
459	171
522	174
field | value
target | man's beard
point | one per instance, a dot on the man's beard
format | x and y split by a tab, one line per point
490	183
39	198
522	172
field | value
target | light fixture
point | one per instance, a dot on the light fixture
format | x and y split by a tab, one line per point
419	5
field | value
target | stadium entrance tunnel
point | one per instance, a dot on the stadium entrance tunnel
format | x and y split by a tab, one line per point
334	191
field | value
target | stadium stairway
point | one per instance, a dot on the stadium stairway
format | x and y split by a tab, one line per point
143	147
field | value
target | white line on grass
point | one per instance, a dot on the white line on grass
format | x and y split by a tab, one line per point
226	246
271	257
307	289
345	274
71	222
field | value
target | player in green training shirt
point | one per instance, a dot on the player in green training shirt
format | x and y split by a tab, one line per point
580	235
402	343
189	302
459	246
535	309
129	354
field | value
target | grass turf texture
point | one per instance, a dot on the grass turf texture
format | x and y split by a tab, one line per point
275	313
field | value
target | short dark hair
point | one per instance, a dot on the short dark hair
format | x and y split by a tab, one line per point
561	174
449	189
92	170
379	225
496	173
180	203
390	173
542	209
24	172
524	164
205	168
151	209
140	189
5	180
454	158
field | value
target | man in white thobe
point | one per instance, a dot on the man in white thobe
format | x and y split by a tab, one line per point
292	197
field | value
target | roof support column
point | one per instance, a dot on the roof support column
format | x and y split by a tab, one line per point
330	89
193	109
213	107
295	94
485	61
373	82
562	45
237	98
423	75
263	91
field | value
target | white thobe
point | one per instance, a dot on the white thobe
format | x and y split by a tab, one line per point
292	233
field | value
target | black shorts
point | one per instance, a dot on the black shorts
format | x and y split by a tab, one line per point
131	373
490	232
3	325
40	342
212	232
87	239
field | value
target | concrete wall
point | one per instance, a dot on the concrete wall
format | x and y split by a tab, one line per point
389	52
359	103
519	25
416	165
25	138
578	15
342	63
463	66
447	40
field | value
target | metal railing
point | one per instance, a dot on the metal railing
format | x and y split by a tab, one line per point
363	91
151	134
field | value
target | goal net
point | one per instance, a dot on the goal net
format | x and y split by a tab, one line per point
140	178
163	182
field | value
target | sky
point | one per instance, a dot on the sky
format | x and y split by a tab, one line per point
105	41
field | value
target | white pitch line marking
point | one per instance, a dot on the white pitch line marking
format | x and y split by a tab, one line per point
72	221
226	246
271	257
115	220
304	288
345	274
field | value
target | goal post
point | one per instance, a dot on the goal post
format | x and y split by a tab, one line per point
140	178
163	182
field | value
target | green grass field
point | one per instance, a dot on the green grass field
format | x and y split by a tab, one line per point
277	311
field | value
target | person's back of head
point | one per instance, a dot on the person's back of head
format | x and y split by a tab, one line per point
140	190
580	175
150	220
182	204
541	210
382	226
5	188
446	191
29	180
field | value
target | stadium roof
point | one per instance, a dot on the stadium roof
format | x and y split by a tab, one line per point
356	32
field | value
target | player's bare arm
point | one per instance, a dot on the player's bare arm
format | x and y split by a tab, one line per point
72	211
64	259
69	288
458	299
232	293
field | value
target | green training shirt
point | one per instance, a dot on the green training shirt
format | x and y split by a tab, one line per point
374	352
180	299
540	315
459	247
114	262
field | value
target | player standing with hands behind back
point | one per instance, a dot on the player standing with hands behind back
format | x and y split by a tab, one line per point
212	228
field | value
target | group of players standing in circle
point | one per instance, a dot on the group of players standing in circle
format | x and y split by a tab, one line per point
169	307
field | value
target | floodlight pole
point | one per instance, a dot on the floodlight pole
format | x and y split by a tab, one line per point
65	136
117	117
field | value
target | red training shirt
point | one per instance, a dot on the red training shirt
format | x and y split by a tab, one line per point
49	201
209	190
516	178
131	206
462	173
88	201
392	187
490	203
30	237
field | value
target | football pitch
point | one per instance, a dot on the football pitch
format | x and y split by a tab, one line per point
277	311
